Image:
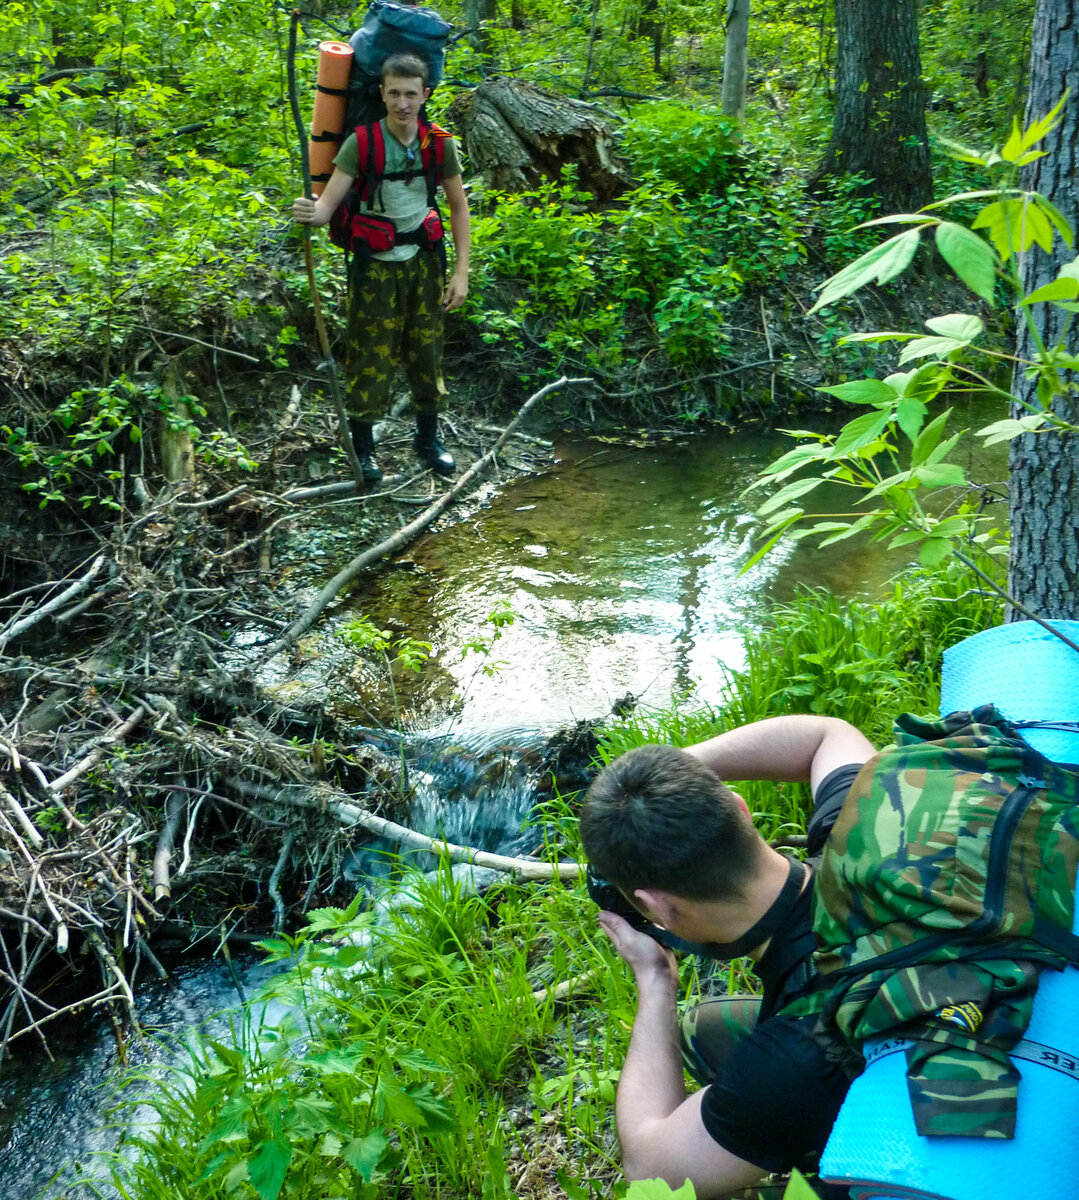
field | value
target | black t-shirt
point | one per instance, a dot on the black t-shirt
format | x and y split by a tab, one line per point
776	1096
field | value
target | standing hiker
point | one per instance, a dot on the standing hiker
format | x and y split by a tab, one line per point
381	199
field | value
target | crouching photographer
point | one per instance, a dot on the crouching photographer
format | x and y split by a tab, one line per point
675	862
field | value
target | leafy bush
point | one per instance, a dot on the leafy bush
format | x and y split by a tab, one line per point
695	148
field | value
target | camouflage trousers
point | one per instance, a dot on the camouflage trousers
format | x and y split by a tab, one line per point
709	1031
395	319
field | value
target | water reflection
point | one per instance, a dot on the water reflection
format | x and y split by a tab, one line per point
624	566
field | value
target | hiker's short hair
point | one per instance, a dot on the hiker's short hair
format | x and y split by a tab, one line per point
404	66
656	817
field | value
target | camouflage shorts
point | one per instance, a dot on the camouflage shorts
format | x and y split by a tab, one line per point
709	1031
394	318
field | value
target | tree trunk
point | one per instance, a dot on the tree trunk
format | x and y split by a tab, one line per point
879	125
735	60
518	135
650	25
1044	488
476	13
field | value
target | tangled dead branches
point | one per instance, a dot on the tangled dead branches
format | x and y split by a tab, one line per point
150	787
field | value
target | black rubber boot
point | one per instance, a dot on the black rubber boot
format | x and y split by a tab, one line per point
429	449
363	442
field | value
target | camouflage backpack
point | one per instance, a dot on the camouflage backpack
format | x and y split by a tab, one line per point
946	885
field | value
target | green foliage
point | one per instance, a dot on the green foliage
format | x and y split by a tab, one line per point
897	449
78	454
695	149
414	1032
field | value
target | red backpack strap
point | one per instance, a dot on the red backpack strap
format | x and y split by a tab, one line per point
371	153
433	155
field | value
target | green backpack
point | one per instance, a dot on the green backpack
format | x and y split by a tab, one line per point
945	886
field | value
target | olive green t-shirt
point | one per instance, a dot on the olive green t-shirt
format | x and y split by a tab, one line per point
404	201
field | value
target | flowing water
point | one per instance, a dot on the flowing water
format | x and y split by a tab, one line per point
624	567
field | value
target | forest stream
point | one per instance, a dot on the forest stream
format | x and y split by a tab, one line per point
622	567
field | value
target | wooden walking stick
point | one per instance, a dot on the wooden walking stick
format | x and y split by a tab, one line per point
320	324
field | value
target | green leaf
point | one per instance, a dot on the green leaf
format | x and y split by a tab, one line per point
787	463
363	1154
882	263
854	338
266	1168
798	1189
937	347
909	416
1062	288
928	439
859	526
1004	431
934	551
940	475
862	391
963	326
790	491
969	256
659	1189
906	538
859	433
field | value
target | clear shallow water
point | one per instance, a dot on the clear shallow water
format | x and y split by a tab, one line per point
624	566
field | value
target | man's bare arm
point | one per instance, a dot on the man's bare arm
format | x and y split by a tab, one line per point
318	212
792	748
661	1132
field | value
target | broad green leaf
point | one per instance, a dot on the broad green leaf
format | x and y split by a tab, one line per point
851	338
934	551
944	449
937	347
364	1153
658	1189
927	440
1015	224
909	415
769	544
963	197
1062	288
862	391
1034	132
960	152
882	263
859	433
1057	217
940	475
895	219
963	326
787	493
1010	427
906	538
266	1168
790	462
1069	270
859	526
969	256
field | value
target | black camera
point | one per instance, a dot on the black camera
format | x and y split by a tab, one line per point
607	896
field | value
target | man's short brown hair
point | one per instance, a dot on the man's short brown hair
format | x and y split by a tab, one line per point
404	66
657	817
